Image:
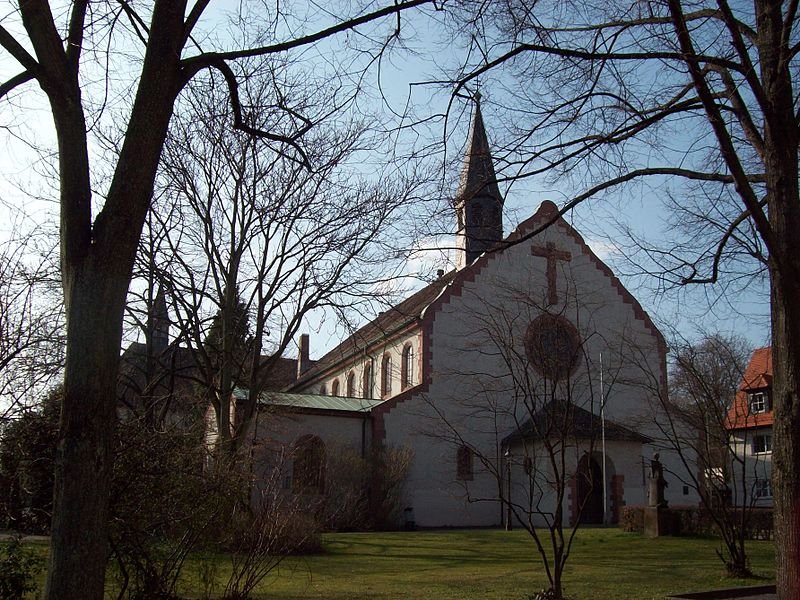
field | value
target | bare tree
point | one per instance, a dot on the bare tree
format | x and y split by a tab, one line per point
704	380
31	316
252	241
148	55
698	96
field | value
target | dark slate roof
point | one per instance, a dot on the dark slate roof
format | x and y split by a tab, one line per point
177	376
408	311
577	422
477	174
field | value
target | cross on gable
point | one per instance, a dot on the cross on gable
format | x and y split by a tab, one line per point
549	252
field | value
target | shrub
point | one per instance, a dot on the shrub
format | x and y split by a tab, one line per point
18	570
631	519
697	521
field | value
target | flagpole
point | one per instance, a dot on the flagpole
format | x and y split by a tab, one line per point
603	434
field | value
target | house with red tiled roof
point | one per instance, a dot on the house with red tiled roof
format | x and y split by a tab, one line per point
531	335
750	420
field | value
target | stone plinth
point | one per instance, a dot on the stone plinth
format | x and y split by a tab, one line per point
656	521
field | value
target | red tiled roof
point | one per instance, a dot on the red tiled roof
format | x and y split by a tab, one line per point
757	376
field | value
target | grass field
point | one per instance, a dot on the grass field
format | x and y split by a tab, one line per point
467	564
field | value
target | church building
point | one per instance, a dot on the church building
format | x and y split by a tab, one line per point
525	383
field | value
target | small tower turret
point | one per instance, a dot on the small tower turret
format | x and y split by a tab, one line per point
478	202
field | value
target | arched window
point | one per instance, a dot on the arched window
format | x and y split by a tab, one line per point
407	367
351	385
386	375
323	390
464	463
366	381
335	388
308	470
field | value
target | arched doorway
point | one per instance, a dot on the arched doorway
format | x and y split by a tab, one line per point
589	488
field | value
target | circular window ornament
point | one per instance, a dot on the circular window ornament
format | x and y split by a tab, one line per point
552	345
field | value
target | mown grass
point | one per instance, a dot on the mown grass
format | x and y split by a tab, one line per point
465	564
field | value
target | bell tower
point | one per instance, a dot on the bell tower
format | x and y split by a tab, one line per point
478	203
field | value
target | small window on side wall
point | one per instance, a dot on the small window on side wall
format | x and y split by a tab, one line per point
464	463
335	388
351	385
762	444
762	488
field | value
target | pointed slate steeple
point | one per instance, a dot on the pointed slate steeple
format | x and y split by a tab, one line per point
158	323
478	202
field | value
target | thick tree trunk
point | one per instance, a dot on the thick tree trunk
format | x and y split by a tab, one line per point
84	456
786	431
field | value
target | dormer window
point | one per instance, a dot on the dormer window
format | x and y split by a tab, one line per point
759	402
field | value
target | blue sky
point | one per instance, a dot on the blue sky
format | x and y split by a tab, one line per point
691	311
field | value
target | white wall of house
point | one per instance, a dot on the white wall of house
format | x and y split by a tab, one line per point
754	446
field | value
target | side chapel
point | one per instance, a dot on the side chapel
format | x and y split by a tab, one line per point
528	365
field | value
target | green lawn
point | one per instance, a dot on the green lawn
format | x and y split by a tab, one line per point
462	564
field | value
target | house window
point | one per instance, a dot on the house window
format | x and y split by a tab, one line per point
464	463
407	368
386	375
759	402
323	390
335	388
527	465
351	385
308	470
762	444
366	383
762	488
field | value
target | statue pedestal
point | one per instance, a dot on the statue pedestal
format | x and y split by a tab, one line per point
656	521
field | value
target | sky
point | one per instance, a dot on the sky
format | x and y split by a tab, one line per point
690	313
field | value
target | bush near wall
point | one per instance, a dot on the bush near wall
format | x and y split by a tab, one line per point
697	521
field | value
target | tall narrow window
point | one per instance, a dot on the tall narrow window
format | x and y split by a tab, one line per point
323	390
335	388
351	385
386	375
464	463
366	381
759	402
407	367
308	470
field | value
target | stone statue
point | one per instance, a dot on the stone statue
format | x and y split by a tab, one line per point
657	482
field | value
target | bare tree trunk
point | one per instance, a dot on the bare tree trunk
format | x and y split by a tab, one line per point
84	457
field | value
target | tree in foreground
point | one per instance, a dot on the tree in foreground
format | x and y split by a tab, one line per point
79	56
697	98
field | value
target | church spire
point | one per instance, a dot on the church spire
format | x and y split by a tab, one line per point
478	202
158	323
